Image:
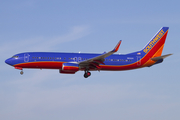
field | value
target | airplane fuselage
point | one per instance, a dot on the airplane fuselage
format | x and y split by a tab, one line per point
70	63
55	60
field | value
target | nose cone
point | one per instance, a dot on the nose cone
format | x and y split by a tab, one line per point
8	61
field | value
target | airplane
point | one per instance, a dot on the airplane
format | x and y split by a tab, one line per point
70	63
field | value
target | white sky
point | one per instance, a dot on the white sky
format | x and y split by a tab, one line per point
89	26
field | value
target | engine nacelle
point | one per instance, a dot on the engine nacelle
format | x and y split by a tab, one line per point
69	68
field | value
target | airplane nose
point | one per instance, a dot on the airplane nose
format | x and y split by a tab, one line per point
8	61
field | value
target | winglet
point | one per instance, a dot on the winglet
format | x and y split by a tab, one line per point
117	46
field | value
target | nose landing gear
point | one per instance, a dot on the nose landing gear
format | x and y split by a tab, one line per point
20	68
21	72
87	74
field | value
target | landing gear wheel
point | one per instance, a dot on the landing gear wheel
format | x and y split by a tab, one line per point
87	74
21	72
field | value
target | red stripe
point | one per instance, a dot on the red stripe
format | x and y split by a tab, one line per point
45	65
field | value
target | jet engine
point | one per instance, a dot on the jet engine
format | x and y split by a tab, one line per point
69	68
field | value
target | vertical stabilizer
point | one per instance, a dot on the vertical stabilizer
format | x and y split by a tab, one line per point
155	45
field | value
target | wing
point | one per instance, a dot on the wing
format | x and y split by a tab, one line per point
94	62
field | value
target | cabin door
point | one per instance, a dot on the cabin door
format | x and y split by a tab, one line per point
138	60
26	57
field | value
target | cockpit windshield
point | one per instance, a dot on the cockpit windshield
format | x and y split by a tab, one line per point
16	57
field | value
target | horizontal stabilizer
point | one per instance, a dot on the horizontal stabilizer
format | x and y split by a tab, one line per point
160	57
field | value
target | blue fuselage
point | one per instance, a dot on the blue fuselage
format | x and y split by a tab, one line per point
29	59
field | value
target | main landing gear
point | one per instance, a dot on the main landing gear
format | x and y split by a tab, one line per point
87	74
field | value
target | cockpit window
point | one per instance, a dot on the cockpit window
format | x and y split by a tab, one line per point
16	57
